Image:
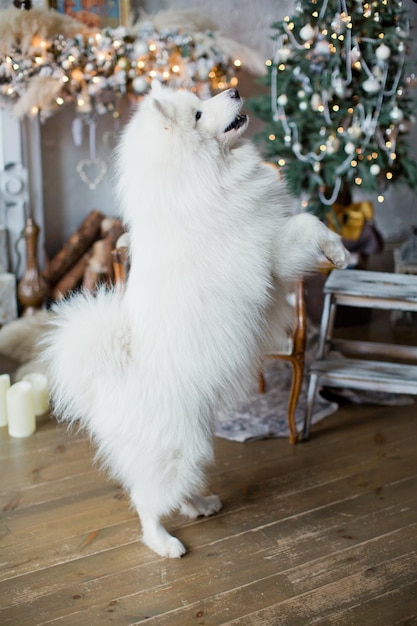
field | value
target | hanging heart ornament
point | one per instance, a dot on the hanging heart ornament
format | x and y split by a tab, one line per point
92	171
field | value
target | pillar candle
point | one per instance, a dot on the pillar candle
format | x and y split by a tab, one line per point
4	386
39	384
21	409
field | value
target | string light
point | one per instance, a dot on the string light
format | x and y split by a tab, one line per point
105	65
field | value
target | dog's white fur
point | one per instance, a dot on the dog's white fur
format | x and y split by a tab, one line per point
214	250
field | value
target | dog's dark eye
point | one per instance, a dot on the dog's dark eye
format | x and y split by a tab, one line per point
198	115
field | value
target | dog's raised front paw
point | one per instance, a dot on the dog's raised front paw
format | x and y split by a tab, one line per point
334	250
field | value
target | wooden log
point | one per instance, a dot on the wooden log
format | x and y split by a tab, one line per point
74	248
120	265
96	271
100	266
109	241
72	278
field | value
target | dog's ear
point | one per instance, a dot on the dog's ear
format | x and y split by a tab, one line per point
161	104
165	108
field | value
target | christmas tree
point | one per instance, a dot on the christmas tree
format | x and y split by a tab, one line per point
339	106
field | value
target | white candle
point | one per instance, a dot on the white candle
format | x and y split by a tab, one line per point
39	384
21	409
4	386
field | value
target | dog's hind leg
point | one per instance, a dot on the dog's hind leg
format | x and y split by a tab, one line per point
197	506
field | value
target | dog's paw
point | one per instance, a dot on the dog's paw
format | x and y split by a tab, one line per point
201	506
167	546
334	250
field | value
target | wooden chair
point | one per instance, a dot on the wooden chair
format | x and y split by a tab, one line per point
292	348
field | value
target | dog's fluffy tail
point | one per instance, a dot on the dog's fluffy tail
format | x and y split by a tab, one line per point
87	342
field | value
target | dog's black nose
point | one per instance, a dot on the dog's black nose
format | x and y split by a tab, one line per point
234	94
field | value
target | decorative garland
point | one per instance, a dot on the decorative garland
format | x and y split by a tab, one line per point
94	69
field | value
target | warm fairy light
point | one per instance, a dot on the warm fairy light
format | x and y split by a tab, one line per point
234	81
237	63
340	129
322	148
60	101
281	162
268	62
358	180
381	198
353	163
350	110
141	64
304	204
165	75
152	47
388	175
336	108
281	67
315	14
388	144
393	156
271	137
153	73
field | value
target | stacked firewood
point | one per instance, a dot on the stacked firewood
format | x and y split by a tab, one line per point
94	254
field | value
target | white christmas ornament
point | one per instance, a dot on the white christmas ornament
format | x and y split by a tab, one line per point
338	85
303	106
383	52
332	145
141	48
374	169
315	101
371	85
140	84
284	53
354	131
396	114
350	147
282	100
307	32
322	47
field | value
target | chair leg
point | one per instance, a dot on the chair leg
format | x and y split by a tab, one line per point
297	380
261	382
311	396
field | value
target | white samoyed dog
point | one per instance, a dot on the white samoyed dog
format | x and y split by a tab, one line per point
214	250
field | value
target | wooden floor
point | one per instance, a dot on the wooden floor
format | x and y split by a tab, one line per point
324	532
